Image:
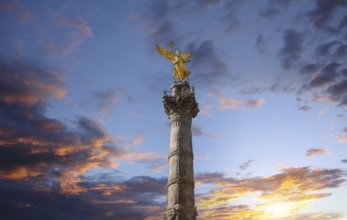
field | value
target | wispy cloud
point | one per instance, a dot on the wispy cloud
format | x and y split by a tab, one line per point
274	8
226	103
304	108
316	151
246	164
198	131
107	98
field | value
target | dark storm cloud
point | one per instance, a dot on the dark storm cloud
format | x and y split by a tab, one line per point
324	11
344	161
292	48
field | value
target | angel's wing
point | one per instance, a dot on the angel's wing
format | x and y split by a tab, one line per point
186	56
169	55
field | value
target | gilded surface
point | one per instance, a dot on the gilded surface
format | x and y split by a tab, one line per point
178	60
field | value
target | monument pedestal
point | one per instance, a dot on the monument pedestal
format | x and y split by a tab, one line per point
181	107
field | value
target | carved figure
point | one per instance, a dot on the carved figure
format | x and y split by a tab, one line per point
178	59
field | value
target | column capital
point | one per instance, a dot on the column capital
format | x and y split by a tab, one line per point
181	101
181	105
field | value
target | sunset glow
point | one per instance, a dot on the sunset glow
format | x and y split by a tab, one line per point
84	135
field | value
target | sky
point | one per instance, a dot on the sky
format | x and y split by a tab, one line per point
84	135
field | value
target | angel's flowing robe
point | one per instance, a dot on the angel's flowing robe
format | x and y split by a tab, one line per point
180	70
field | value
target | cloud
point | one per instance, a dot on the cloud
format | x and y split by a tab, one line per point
77	31
50	32
226	103
274	7
275	87
206	110
158	23
327	75
294	186
208	3
305	108
230	212
135	142
260	44
155	162
246	164
26	83
314	216
37	148
334	49
341	138
197	131
316	151
324	11
338	92
231	20
339	117
56	170
135	198
292	48
309	69
326	49
209	68
107	98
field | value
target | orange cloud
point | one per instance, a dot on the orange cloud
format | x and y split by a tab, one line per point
20	173
288	192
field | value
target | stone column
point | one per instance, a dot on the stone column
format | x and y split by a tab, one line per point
181	107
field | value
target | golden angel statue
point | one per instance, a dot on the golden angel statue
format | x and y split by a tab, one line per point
178	60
